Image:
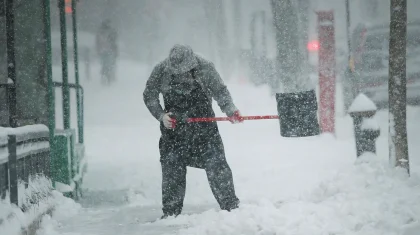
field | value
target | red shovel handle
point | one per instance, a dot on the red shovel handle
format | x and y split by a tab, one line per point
218	119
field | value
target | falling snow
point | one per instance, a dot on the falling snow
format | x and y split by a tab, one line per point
136	159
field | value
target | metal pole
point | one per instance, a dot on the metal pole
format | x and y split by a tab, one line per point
66	90
11	63
264	34
76	71
13	175
237	22
397	86
51	93
253	37
348	29
238	26
51	97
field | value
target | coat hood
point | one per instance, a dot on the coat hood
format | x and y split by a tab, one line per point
181	59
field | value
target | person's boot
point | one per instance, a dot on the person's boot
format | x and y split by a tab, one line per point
234	204
174	213
233	207
166	215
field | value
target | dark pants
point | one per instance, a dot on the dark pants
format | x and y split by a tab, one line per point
108	63
210	156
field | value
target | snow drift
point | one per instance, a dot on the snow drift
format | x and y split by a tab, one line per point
367	198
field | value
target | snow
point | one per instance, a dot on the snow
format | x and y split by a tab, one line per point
64	209
63	188
13	218
311	185
10	218
413	229
370	124
362	104
347	203
24	129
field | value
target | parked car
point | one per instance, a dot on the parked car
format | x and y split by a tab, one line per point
369	70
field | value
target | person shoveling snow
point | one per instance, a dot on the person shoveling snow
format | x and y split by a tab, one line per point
188	84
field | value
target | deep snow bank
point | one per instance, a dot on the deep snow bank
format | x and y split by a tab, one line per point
368	197
13	219
64	209
10	218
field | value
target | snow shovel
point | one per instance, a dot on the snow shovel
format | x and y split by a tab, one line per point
219	119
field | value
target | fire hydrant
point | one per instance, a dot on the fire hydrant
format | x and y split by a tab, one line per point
366	128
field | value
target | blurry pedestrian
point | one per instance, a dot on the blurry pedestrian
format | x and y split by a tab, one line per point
107	49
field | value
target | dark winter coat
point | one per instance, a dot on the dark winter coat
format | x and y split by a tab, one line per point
188	90
206	76
106	42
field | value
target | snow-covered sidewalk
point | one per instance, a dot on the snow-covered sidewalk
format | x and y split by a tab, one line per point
298	186
364	198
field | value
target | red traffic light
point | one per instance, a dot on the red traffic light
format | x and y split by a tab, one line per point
313	45
68	9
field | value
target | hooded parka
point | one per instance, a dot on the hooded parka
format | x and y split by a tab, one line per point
188	84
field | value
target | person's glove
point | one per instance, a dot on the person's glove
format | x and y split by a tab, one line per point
168	121
236	117
180	119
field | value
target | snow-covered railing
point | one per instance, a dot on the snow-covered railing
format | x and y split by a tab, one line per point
24	156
